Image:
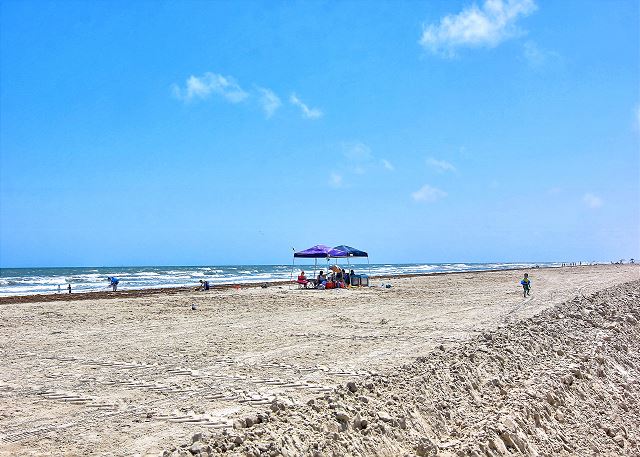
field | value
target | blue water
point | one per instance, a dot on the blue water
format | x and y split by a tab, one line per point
27	281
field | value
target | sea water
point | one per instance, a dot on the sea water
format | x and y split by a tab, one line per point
28	281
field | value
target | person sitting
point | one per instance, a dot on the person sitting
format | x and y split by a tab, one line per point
340	278
321	282
353	280
302	279
347	278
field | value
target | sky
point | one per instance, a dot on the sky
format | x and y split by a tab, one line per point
230	132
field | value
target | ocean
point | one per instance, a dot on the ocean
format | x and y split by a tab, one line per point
28	281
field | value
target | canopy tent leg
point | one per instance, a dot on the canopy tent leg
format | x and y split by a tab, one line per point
368	266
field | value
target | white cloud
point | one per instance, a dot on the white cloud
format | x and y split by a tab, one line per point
534	55
309	113
538	58
270	101
440	166
210	83
474	26
357	152
428	194
358	159
387	165
592	201
335	180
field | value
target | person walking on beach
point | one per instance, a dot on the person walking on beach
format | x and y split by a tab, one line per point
69	287
526	284
113	282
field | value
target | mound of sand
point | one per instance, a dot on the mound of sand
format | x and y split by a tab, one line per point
564	382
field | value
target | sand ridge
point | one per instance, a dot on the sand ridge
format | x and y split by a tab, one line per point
564	382
128	376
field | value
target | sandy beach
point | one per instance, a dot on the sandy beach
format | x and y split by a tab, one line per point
141	375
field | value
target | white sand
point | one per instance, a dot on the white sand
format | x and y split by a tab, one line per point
120	376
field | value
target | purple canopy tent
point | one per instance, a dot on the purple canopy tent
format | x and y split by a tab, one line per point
320	251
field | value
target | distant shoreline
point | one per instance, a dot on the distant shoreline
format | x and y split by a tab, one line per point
135	293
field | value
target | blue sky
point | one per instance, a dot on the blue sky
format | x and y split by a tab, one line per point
184	133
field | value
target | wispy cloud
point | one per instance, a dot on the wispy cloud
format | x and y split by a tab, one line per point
387	165
441	166
335	180
538	58
356	151
269	100
485	26
592	201
210	83
533	54
309	113
428	194
357	160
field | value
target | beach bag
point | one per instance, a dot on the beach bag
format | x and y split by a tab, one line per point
331	285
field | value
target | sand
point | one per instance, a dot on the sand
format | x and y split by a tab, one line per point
142	375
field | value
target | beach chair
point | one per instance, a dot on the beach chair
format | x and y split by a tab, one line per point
302	282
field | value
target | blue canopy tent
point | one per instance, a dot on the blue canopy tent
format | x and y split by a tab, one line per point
348	252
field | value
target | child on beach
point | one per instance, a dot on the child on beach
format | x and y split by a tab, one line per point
526	284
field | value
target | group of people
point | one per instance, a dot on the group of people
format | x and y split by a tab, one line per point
337	279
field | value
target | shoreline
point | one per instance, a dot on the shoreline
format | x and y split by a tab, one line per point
135	293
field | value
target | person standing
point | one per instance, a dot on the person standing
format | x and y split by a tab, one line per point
526	284
69	287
